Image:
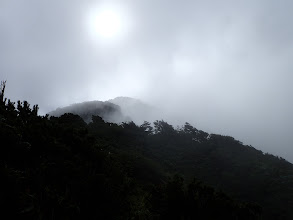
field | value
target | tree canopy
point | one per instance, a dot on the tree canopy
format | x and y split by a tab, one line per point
65	168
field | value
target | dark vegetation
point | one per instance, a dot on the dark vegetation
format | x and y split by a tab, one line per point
64	168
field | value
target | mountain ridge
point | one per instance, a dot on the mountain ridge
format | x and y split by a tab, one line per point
114	160
116	110
105	109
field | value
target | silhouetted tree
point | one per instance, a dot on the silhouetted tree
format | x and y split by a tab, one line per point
162	127
146	127
188	128
2	91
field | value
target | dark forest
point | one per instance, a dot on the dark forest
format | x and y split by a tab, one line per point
65	168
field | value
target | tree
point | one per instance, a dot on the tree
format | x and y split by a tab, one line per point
146	127
2	99
175	197
2	90
188	128
163	127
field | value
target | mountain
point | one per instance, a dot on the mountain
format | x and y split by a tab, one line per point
65	168
245	173
117	110
107	110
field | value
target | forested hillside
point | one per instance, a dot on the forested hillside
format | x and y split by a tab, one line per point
63	168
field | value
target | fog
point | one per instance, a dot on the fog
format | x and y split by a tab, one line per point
224	66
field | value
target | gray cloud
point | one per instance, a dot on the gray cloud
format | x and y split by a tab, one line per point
225	66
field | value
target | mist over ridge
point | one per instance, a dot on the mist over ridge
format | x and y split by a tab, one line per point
203	89
223	66
127	109
98	161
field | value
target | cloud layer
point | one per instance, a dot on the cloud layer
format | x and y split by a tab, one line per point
224	66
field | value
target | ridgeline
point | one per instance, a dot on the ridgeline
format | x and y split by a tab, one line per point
65	168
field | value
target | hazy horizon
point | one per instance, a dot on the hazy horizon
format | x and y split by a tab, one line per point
223	66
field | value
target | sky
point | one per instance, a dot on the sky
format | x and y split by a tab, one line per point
224	66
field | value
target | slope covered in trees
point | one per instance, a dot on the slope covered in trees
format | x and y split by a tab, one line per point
241	171
64	168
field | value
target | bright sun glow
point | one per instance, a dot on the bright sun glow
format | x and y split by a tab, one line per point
107	23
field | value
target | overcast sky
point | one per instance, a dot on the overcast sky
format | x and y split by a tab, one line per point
224	66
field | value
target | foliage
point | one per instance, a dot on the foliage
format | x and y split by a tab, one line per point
64	168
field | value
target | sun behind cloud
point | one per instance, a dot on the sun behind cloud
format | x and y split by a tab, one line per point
107	22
